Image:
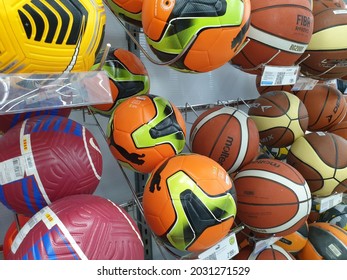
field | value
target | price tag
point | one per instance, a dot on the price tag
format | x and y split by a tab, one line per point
328	202
340	12
279	75
304	83
11	170
262	244
224	250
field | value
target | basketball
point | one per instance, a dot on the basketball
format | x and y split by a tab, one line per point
10	120
322	159
272	197
79	227
321	5
325	105
340	129
263	89
189	202
325	242
336	215
145	130
272	252
227	135
50	36
325	56
296	241
128	77
128	10
201	35
45	158
279	34
281	118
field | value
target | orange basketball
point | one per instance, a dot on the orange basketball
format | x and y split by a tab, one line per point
279	34
280	116
325	58
325	105
227	135
321	5
272	252
340	129
325	242
272	197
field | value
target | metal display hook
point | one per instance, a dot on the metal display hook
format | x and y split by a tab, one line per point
262	65
317	76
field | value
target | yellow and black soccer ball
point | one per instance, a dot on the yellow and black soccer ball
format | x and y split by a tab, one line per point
50	36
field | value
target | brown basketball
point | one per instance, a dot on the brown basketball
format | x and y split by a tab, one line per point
280	31
272	197
325	105
321	158
321	5
263	89
227	135
326	55
340	129
280	116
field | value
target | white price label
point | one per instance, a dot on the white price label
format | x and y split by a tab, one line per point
11	170
328	202
304	83
340	12
279	75
224	250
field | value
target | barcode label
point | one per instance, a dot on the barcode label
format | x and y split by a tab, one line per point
33	221
334	250
11	170
224	250
17	168
279	78
30	167
279	75
329	202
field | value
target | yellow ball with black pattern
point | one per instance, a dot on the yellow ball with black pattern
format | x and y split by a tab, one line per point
189	202
50	36
144	130
322	160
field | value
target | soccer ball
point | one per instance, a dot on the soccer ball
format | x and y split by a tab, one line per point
128	77
50	36
189	202
128	10
144	130
209	32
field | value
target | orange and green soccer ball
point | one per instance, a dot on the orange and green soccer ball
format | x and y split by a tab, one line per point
209	32
128	77
128	10
145	130
189	202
